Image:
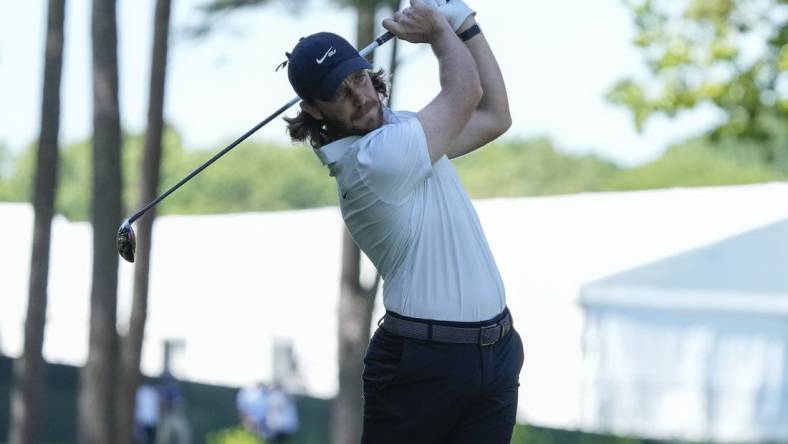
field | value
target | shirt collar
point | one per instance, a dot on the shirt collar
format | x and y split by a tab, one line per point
334	151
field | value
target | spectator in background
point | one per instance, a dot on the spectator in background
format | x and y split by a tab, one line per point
282	416
146	413
252	404
173	427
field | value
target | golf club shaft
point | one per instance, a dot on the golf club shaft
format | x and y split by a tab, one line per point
364	52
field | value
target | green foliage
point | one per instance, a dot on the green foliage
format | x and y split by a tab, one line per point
257	177
520	168
212	12
19	185
74	181
5	160
233	435
265	177
726	52
252	177
215	6
6	168
526	434
523	434
359	4
696	163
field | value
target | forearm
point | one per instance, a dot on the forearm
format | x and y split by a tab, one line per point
495	99
460	80
447	115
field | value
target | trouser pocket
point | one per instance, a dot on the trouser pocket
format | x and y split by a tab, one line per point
382	361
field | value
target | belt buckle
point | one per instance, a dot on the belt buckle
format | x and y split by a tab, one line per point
482	341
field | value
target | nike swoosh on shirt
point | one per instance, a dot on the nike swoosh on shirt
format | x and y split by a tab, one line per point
322	59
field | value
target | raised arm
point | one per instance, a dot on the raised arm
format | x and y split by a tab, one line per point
446	117
491	118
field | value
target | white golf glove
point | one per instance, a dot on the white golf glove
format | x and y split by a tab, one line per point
455	11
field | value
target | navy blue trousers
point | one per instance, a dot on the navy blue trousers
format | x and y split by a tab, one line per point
418	391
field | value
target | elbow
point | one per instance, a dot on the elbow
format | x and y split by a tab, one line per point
505	122
499	124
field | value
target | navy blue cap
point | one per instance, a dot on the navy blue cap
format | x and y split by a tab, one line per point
320	63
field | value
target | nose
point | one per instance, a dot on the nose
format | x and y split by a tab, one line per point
356	95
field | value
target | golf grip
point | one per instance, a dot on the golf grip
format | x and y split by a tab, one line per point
364	52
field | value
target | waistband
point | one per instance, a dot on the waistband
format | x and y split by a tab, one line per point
483	333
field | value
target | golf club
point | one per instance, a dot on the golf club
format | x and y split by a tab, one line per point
127	242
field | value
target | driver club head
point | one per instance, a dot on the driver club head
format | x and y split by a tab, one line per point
127	241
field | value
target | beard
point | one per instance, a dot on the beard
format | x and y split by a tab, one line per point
358	124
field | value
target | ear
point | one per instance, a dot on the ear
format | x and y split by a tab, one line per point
311	109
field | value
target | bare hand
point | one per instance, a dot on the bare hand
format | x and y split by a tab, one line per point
420	23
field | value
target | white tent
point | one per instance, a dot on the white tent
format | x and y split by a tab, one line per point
230	285
693	346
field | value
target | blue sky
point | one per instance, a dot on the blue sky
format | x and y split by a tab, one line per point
559	58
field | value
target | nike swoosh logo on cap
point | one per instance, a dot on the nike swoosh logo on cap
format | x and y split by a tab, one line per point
331	51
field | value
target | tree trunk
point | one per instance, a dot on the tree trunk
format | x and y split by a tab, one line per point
131	345
355	317
29	369
355	306
98	378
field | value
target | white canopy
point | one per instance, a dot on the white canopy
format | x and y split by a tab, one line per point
232	284
694	346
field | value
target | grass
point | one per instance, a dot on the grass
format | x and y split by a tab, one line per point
526	434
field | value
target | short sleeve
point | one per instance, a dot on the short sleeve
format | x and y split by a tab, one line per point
394	160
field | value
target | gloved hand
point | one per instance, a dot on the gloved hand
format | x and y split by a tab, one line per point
455	11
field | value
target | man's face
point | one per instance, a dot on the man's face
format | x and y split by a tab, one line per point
354	110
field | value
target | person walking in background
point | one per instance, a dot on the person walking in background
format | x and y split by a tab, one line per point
174	426
282	416
146	413
252	404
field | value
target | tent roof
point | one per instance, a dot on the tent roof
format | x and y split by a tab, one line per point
746	272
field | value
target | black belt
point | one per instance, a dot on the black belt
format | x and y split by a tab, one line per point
484	335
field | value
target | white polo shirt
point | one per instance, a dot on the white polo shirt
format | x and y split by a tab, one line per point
415	222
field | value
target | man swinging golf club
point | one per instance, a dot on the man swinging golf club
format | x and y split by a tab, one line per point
443	366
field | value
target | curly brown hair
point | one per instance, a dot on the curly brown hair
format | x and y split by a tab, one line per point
305	128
